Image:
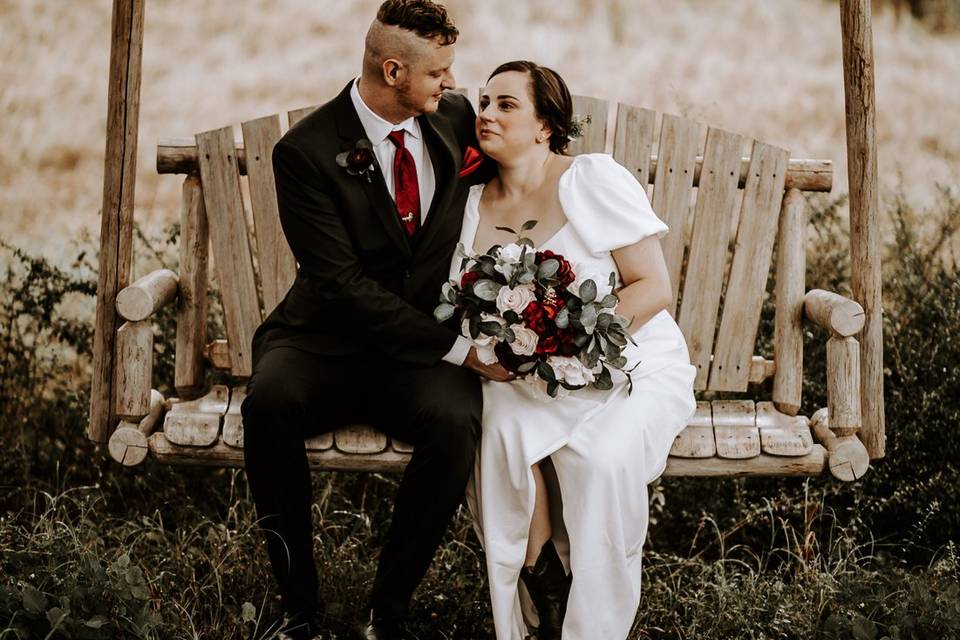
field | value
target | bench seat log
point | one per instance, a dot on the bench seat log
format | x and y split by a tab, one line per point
128	442
197	422
144	297
223	455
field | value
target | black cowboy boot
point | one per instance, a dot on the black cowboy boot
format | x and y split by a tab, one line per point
549	586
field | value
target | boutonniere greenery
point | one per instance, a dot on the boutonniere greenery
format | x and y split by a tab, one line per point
359	161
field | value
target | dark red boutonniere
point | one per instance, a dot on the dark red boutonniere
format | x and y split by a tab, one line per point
472	159
360	161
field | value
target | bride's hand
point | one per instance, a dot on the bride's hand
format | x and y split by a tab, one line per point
496	371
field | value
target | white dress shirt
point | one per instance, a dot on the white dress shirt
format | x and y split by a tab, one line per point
377	130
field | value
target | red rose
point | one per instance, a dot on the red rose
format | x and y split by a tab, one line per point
535	318
548	345
469	277
565	273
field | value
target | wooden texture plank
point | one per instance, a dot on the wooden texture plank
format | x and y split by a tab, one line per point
753	251
359	439
696	440
320	442
841	316
196	423
716	200
231	244
232	419
116	219
192	304
783	435
865	249
848	458
789	287
134	370
673	182
594	137
276	262
735	428
401	447
633	140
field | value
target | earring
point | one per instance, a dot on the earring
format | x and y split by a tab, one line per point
540	139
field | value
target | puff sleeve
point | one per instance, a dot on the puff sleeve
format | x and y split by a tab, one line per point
606	205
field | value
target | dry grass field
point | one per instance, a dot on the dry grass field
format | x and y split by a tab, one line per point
770	69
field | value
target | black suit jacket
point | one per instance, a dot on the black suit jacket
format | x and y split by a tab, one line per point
362	285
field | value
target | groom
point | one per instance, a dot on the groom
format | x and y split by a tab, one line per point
371	191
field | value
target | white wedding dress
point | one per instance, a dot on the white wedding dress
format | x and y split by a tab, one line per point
604	446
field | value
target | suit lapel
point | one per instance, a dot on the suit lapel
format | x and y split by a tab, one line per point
442	148
351	130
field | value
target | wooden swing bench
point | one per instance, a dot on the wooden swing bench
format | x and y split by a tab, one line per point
719	254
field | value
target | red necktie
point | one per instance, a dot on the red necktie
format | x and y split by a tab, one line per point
405	187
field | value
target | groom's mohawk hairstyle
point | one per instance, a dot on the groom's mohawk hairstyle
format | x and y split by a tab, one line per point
425	18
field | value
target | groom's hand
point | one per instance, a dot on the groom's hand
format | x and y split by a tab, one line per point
495	371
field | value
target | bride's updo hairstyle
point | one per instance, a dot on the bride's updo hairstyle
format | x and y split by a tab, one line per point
551	99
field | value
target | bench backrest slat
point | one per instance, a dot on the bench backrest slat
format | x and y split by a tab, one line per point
713	215
633	140
277	265
594	138
231	244
673	185
753	251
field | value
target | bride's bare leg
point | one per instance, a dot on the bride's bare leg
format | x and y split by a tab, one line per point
540	530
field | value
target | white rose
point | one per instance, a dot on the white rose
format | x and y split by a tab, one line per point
570	370
515	299
526	341
509	256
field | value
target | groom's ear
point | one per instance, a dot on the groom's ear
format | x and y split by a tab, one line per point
392	71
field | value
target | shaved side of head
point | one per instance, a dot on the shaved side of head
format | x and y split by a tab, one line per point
385	42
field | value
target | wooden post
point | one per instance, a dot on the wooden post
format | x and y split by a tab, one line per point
788	320
858	80
116	215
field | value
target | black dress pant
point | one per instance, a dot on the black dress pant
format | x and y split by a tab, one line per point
293	395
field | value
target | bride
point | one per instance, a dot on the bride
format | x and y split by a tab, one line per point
559	493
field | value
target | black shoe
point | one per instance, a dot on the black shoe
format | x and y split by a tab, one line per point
549	586
380	629
301	626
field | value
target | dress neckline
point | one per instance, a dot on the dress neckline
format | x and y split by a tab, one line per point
478	188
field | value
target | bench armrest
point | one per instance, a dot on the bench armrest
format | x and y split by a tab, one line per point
144	297
840	316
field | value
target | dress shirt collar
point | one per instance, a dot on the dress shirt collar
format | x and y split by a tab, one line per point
376	127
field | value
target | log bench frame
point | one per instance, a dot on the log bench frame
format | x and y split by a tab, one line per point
759	195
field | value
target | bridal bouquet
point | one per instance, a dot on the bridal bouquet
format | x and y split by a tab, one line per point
530	310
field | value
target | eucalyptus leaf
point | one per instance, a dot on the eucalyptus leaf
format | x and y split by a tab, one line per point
603	321
545	371
507	229
527	242
563	318
603	382
588	291
613	279
474	327
619	362
486	289
548	268
509	335
511	316
527	367
526	277
581	339
552	388
491	328
617	338
444	312
609	301
529	224
588	318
